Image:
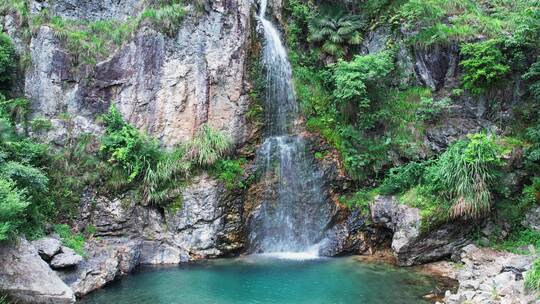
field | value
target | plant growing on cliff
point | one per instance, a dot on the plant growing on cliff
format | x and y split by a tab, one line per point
208	146
7	62
532	279
125	146
336	33
484	65
70	239
464	174
357	81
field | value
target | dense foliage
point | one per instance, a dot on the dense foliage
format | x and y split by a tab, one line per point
378	119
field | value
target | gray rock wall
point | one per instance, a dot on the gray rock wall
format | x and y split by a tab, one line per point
167	86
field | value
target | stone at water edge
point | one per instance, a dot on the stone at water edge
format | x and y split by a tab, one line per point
47	247
68	258
28	279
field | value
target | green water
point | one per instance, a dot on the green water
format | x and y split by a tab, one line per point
263	281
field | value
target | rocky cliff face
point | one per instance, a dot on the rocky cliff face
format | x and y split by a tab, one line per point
166	85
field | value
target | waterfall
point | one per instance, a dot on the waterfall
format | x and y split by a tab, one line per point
294	209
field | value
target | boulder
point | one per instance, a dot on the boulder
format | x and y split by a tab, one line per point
106	259
28	279
67	258
47	247
410	244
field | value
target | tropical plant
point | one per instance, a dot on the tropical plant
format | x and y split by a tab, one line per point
336	33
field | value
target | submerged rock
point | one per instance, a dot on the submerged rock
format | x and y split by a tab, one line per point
28	279
411	246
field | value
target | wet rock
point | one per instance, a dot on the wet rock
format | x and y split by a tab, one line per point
347	236
28	279
47	247
411	246
66	258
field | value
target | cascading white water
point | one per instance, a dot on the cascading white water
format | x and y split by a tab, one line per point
293	212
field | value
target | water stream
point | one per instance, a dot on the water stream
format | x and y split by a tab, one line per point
294	213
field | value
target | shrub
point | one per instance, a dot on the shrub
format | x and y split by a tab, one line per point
464	174
355	80
532	152
484	65
532	279
533	77
208	146
125	146
230	171
402	178
13	203
430	109
7	61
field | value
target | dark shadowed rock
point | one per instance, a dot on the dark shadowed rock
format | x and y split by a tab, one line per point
434	65
28	279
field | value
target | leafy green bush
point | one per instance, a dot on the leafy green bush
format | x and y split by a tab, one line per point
484	65
125	146
69	239
464	174
357	79
533	77
532	152
13	203
7	62
430	109
403	178
230	171
532	279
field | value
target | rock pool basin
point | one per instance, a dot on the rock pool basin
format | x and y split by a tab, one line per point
266	279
